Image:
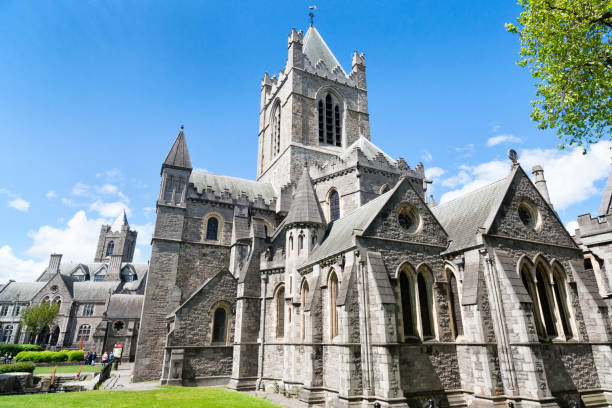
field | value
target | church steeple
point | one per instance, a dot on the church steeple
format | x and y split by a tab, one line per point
175	173
116	239
178	156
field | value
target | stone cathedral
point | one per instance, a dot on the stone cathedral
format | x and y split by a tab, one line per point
333	279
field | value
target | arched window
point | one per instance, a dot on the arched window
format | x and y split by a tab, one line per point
334	206
46	299
57	301
169	189
562	304
543	286
425	306
384	189
333	312
330	121
83	333
454	305
110	248
406	291
219	333
178	196
300	243
280	312
304	297
212	229
7	333
291	242
54	336
528	283
276	127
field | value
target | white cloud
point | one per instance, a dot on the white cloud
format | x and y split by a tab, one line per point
505	138
495	127
80	189
76	242
110	175
19	204
570	175
12	267
572	226
51	194
471	178
109	209
108	189
145	233
434	173
426	156
467	148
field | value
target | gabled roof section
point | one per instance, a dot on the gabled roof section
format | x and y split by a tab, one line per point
316	49
178	156
369	149
22	291
462	217
94	291
119	222
305	207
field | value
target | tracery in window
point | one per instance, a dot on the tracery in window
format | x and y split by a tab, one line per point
333	311
334	206
118	325
212	229
280	311
330	120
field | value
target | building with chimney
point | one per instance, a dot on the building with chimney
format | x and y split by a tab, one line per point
100	302
331	278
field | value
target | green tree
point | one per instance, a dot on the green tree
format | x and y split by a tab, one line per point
567	45
38	318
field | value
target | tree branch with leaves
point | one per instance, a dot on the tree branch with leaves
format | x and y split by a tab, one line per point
37	318
567	45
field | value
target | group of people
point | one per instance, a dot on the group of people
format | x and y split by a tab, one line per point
7	358
90	358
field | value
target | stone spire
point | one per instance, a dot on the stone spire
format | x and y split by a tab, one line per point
178	157
119	222
305	208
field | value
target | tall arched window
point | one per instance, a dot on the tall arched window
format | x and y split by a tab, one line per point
276	127
57	301
110	248
333	311
425	306
219	333
304	297
169	189
291	242
454	305
300	243
280	312
178	196
7	333
83	333
527	279
330	121
562	304
406	291
334	206
212	229
543	293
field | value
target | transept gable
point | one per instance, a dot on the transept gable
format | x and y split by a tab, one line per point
523	213
208	285
406	217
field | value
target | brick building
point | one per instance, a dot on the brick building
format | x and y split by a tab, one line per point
332	278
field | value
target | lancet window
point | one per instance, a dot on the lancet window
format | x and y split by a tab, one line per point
416	303
330	120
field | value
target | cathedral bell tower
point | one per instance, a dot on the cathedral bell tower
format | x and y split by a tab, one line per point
312	108
116	239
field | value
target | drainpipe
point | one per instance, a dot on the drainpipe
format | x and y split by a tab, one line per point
262	331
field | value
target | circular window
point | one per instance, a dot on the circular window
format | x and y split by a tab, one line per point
528	213
118	325
54	288
408	217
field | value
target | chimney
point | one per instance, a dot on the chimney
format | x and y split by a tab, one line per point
54	263
540	182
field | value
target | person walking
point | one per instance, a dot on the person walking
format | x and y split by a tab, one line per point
104	359
93	358
5	358
86	358
111	356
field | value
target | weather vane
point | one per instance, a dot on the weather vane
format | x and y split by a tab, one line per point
311	14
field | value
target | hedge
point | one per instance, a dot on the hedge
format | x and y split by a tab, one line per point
42	356
13	349
76	355
28	366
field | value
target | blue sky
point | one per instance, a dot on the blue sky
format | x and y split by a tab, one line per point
92	94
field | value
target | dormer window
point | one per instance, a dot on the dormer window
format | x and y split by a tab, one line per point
330	121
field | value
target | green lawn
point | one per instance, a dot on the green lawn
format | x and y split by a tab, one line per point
175	397
67	369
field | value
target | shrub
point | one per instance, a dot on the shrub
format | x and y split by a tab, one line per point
76	355
42	356
17	368
16	348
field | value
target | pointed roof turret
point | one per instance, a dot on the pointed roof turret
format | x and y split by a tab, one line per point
120	221
305	208
178	157
316	49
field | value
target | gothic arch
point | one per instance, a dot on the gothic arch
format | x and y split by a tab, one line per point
384	188
401	267
330	108
333	204
454	295
279	311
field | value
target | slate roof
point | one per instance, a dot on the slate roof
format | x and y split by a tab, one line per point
201	180
94	291
462	216
305	207
369	149
126	306
316	49
178	155
340	232
24	290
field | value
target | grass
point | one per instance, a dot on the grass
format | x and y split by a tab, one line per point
67	369
175	397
